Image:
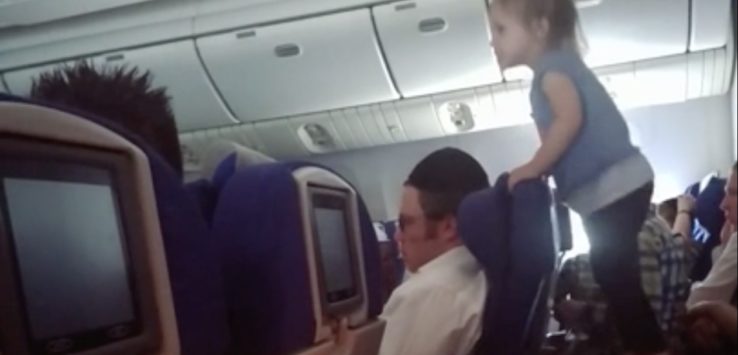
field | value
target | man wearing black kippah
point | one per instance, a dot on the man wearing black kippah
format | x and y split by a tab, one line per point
438	310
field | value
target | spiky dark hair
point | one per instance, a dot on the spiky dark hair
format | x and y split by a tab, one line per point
121	94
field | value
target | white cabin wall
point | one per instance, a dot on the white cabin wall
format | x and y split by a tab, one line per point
684	142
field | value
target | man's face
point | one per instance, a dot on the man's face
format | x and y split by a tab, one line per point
419	238
730	202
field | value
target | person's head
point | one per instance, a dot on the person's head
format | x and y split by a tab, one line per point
730	202
120	94
522	30
430	200
667	210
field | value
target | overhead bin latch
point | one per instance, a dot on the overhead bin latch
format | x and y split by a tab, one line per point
433	25
287	50
405	6
115	57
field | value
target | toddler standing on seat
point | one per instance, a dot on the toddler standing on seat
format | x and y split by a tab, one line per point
586	146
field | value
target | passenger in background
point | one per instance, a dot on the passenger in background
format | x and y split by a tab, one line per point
438	309
586	145
684	215
720	284
712	329
686	206
665	262
668	211
120	94
725	234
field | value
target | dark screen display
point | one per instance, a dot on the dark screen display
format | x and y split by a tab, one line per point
334	248
70	254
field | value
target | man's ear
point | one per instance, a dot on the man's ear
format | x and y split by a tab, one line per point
448	229
541	28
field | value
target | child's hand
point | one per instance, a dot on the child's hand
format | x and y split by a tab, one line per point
525	172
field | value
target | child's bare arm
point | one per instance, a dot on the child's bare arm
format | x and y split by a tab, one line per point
566	106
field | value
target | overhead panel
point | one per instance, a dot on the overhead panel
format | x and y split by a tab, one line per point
299	67
419	119
373	123
695	74
355	122
661	81
19	82
512	106
32	12
711	24
349	135
708	73
620	31
280	141
176	67
620	82
393	122
436	46
485	117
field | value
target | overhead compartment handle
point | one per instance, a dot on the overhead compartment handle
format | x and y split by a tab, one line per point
287	50
406	6
246	34
115	57
433	25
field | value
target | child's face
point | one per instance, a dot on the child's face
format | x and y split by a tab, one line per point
511	38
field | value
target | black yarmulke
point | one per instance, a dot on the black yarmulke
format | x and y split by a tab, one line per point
448	170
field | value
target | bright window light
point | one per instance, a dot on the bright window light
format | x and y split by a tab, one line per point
580	242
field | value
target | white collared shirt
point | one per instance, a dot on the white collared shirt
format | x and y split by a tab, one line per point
721	282
438	310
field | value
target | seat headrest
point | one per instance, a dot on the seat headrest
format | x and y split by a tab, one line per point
222	158
196	282
270	274
20	118
511	236
479	215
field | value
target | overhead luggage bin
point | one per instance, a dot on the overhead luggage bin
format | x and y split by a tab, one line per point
436	46
299	67
176	67
621	31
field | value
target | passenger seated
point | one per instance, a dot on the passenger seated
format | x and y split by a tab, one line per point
708	220
725	235
720	284
388	256
438	309
123	100
668	210
120	94
712	328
